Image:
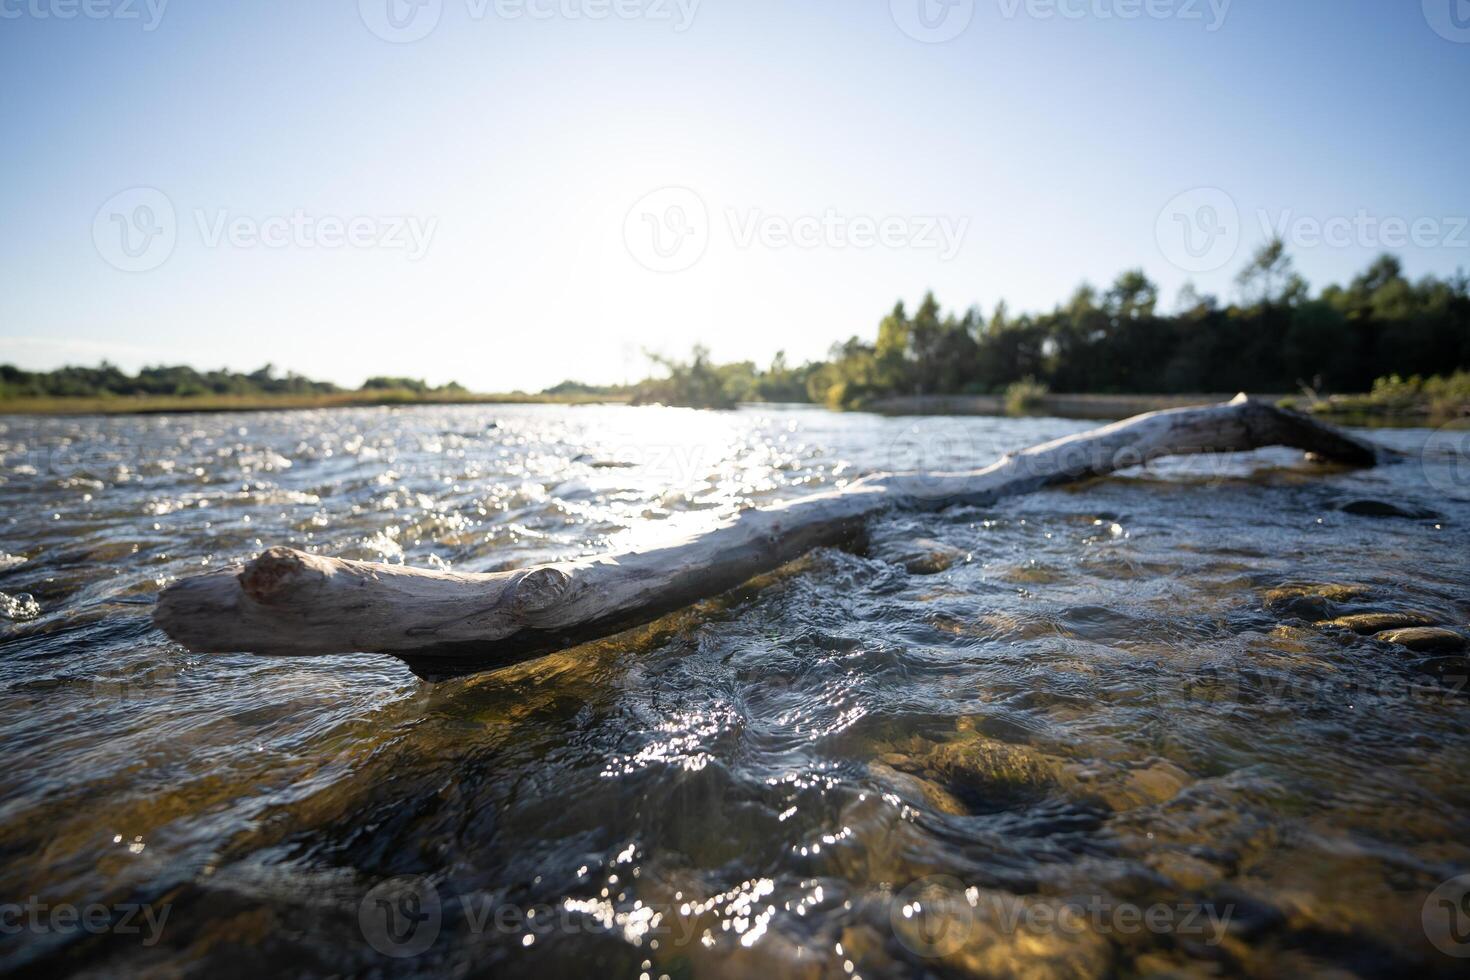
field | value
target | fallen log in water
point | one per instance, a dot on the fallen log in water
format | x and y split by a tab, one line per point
443	624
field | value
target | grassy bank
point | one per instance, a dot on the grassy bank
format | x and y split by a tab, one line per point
181	404
1437	400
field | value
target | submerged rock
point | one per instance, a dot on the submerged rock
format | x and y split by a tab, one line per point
1129	787
1335	591
1382	508
1426	638
986	774
1183	870
1377	622
922	556
917	789
976	932
1313	601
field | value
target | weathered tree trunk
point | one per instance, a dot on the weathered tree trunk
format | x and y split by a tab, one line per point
289	603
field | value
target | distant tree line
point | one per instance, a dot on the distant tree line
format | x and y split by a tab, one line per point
1277	338
108	380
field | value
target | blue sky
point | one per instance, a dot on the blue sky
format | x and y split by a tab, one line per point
530	192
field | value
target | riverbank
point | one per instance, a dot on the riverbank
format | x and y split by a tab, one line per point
1059	406
185	404
1343	410
1438	400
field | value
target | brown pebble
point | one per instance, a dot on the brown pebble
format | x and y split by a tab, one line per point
1337	592
1312	602
1377	622
1425	638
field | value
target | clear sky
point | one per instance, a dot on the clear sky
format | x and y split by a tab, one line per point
513	192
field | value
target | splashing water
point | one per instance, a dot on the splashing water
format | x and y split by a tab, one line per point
1105	729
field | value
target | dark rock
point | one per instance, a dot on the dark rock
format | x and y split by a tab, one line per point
1312	601
1427	639
1382	508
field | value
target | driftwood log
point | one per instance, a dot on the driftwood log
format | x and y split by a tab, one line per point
443	624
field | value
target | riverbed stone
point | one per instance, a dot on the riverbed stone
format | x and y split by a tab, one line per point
1313	601
1383	508
988	774
925	556
1377	622
1426	639
1336	591
917	789
1123	787
1183	870
976	932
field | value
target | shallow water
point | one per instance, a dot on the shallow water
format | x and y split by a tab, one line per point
1089	706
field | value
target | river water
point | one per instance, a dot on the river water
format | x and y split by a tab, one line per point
1088	732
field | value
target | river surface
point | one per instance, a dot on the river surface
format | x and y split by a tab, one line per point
1089	732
